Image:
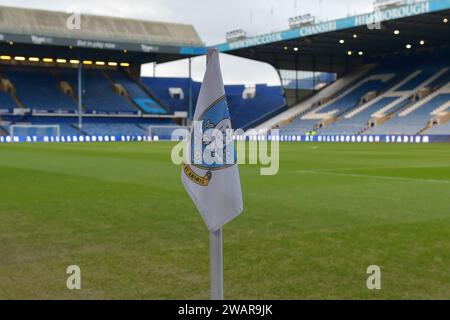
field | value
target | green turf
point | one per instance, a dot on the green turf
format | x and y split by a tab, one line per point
119	212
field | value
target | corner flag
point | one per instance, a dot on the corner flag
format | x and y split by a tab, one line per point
210	172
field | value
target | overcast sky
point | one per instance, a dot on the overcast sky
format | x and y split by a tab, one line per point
212	19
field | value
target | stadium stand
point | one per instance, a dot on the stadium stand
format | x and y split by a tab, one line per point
100	96
244	111
41	60
68	126
351	86
316	81
6	102
173	91
440	129
41	89
126	126
37	88
136	92
393	98
416	116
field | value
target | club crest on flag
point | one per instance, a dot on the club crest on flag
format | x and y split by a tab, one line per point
212	144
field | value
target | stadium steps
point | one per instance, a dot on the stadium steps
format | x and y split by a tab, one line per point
360	104
309	104
347	111
3	131
443	82
367	127
145	128
84	133
421	131
436	90
430	123
13	94
392	113
73	95
331	99
325	123
149	92
126	96
400	108
141	127
301	114
344	113
17	101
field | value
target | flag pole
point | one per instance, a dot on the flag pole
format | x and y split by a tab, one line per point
216	264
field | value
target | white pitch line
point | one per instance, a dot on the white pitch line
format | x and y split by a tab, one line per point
355	175
377	168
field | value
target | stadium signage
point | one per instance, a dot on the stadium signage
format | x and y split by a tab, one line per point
279	36
41	40
147	48
340	24
372	139
318	28
95	44
77	139
256	41
394	13
283	138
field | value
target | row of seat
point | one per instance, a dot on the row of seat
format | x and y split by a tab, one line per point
40	89
244	111
68	126
395	91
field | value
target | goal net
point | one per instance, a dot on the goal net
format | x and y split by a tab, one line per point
30	130
166	132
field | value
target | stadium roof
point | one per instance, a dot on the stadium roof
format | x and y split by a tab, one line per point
48	30
326	46
313	47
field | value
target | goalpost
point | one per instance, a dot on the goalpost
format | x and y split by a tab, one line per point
165	132
31	130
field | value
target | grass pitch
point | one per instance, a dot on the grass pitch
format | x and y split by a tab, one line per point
119	211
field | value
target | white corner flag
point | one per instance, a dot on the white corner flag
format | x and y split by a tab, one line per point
210	172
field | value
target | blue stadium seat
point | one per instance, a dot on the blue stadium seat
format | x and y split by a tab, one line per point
160	87
359	121
149	105
137	94
6	102
353	123
414	121
99	95
443	129
243	112
121	126
38	89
